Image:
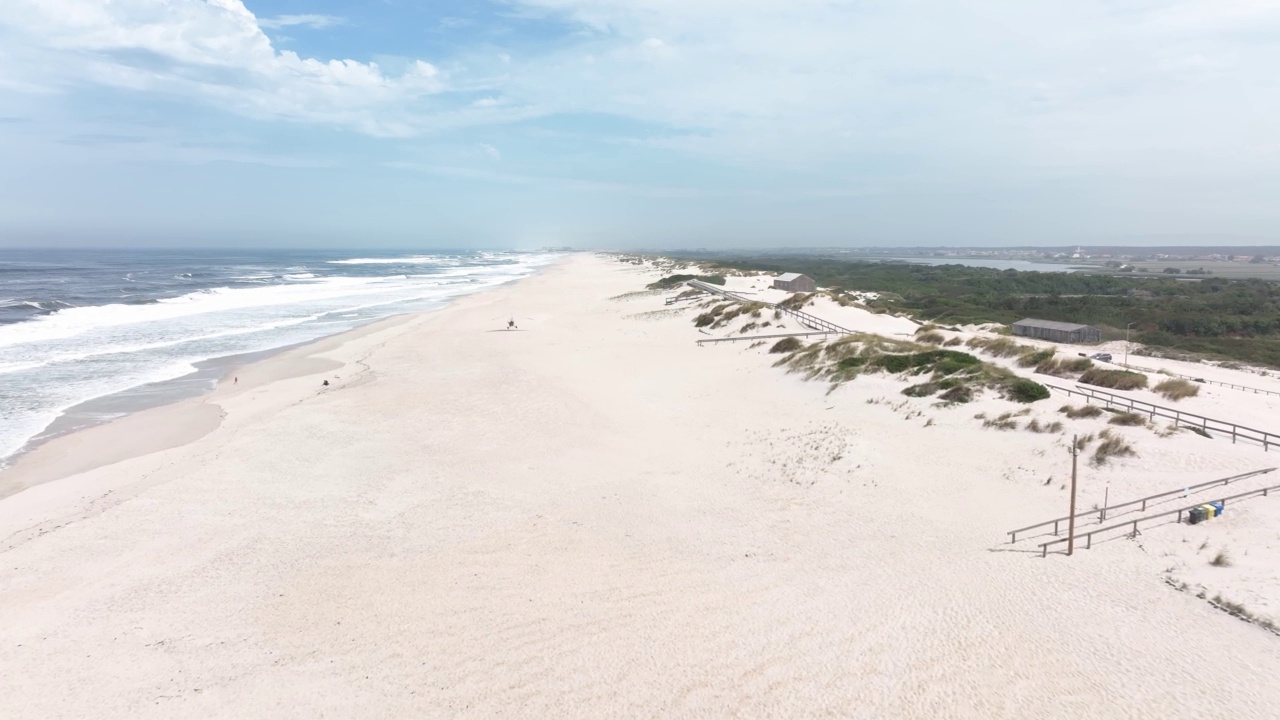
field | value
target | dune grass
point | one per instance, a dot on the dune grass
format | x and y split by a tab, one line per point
1064	367
1110	445
1084	411
1114	379
1177	389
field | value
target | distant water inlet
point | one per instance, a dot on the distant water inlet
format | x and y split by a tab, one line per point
78	326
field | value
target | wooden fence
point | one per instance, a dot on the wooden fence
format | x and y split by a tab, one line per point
1219	383
811	321
823	333
1132	525
1179	417
1103	511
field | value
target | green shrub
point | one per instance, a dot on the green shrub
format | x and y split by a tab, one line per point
852	362
921	390
1115	379
674	280
894	363
957	394
1026	391
786	345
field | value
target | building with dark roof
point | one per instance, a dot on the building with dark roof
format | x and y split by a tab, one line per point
795	282
1057	331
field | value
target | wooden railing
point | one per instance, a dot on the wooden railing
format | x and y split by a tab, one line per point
812	321
1179	417
740	338
1132	525
1103	511
1192	378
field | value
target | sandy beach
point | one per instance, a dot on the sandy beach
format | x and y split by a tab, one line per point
594	517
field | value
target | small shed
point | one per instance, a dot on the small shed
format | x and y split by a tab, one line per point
1054	331
795	282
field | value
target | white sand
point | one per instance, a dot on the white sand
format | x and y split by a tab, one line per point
596	518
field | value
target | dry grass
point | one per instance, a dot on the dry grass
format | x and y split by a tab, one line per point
1004	421
1111	445
1064	367
932	338
1114	379
1036	426
1000	347
1084	411
1177	389
1035	358
787	345
952	342
1128	418
1221	559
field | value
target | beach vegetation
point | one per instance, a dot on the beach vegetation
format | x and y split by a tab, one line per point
1084	411
671	281
1221	559
1114	379
1064	367
1128	418
1035	358
1025	391
932	338
1214	318
786	345
1110	445
796	301
1177	389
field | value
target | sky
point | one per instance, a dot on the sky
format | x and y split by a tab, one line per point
638	123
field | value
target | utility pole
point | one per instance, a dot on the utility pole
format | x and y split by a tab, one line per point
1071	519
1126	344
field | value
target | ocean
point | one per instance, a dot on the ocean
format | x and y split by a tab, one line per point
87	335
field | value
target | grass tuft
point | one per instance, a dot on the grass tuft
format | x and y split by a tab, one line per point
1111	445
1084	411
786	345
1114	379
1177	389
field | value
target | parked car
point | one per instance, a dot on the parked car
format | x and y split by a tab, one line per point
1101	357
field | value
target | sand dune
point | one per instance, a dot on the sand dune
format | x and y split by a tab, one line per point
594	517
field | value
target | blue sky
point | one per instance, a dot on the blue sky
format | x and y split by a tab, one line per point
616	123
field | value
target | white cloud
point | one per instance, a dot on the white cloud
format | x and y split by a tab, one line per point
315	22
214	50
868	88
491	151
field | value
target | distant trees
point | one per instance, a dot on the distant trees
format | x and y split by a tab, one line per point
1172	271
1233	318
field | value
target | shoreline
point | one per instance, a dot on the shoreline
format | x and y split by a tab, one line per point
184	415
